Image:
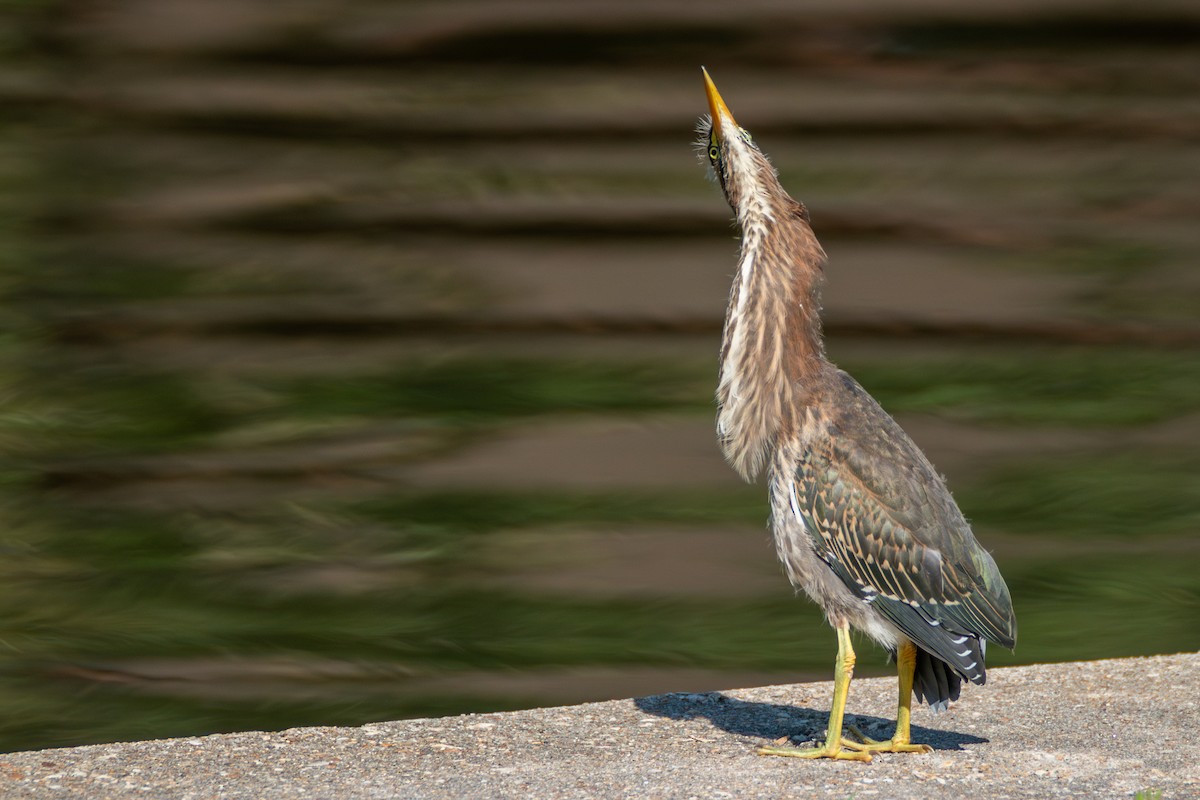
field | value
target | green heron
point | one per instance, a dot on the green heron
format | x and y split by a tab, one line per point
862	522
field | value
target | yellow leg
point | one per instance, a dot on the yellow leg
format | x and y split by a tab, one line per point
906	664
843	673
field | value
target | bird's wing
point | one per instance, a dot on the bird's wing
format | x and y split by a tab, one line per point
883	520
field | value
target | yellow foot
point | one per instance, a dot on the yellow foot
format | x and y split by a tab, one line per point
834	751
865	744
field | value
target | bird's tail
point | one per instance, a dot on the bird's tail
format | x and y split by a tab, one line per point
935	682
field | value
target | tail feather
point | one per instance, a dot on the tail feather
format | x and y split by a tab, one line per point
935	682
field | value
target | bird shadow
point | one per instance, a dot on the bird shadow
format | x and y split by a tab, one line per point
772	722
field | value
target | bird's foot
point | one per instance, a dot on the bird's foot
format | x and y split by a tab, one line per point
866	744
832	750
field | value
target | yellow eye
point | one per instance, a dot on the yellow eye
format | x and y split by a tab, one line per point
713	153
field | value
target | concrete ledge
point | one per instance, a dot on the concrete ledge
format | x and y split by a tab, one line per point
1094	729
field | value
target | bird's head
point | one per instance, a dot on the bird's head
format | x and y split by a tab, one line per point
749	182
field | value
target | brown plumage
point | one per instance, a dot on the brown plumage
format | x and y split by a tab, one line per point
862	521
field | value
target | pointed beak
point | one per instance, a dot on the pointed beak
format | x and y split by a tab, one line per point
720	111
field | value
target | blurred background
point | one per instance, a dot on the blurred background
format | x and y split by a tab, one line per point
357	358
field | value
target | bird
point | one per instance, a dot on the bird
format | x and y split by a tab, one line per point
861	520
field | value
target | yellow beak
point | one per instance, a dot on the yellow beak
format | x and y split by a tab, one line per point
716	105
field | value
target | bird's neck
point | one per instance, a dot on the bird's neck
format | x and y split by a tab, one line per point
772	351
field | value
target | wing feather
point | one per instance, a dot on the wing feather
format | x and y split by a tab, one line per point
883	520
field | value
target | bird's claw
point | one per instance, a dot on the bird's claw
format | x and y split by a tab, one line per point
834	751
866	744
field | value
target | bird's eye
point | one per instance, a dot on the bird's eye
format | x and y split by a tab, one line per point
713	153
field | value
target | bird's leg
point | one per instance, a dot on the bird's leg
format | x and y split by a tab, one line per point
906	664
832	748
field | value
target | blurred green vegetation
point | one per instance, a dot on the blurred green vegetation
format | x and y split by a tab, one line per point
458	513
493	390
1065	386
1137	495
118	406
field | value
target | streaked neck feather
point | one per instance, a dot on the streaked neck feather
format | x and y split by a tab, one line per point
772	345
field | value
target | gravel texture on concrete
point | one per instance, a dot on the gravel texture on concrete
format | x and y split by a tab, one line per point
1092	729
